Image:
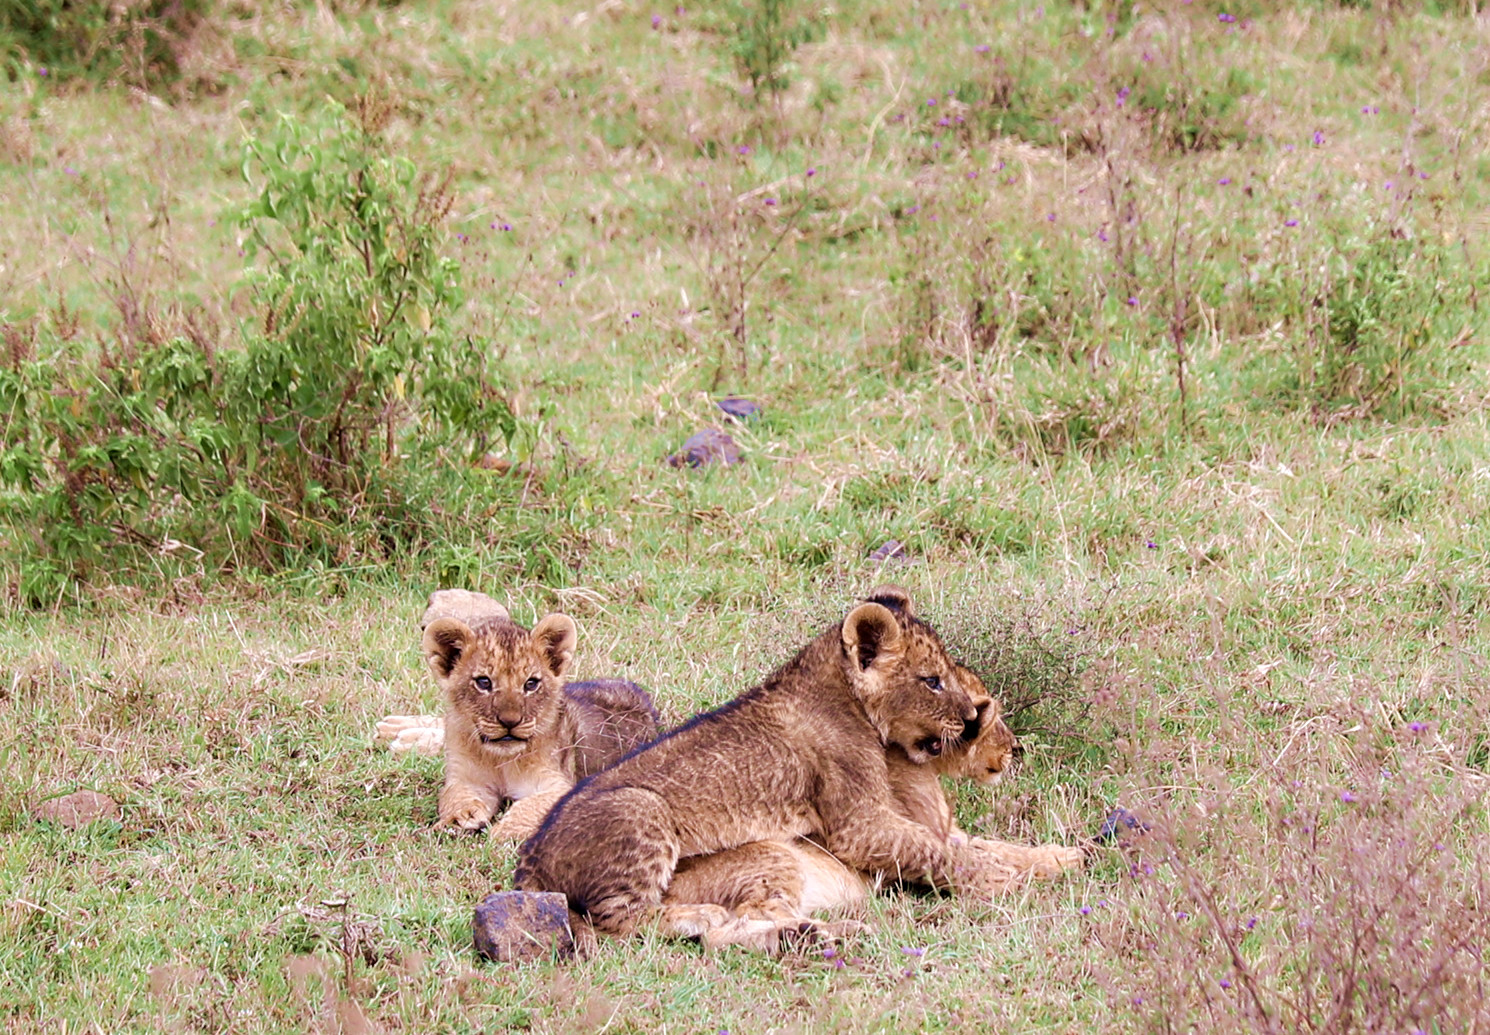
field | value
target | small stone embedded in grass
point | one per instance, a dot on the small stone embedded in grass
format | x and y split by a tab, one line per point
739	408
1119	821
518	926
709	446
77	809
893	552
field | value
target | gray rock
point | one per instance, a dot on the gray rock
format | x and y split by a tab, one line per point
520	926
709	446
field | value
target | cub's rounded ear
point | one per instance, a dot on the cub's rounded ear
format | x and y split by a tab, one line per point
871	634
554	639
894	597
445	640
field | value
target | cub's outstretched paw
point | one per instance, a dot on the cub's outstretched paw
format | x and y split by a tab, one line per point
1041	861
463	816
421	734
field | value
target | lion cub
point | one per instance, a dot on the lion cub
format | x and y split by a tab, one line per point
771	888
802	754
513	731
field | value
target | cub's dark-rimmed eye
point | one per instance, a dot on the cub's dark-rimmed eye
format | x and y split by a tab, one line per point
483	683
530	685
933	682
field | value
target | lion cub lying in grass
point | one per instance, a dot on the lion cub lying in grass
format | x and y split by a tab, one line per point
513	731
771	888
803	754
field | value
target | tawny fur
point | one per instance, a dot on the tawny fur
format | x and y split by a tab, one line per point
770	889
802	754
513	730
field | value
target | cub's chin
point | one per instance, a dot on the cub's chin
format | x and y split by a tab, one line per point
502	746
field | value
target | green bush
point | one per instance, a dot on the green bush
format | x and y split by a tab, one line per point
293	447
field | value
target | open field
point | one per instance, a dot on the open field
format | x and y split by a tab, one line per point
1156	336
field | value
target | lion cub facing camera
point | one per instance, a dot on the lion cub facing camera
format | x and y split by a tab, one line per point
513	731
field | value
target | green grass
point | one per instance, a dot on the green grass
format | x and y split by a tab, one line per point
1226	601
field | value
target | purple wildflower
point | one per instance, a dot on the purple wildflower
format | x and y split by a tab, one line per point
982	48
1223	181
1225	983
811	172
1417	727
770	201
656	20
743	149
911	950
1050	218
1227	18
1290	222
1318	138
931	102
1132	299
1085	910
42	71
1347	797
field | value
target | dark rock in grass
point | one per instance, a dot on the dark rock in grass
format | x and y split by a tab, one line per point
1118	822
518	926
893	552
739	408
77	809
710	446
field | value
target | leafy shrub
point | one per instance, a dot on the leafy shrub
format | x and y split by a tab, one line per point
291	448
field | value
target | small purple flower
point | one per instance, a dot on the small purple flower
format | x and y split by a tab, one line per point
69	170
1417	727
656	21
1151	545
944	121
913	210
1347	797
1290	222
1122	95
743	149
811	172
636	314
1138	1000
1227	18
42	71
1085	910
1102	235
1389	185
1251	923
770	201
1223	181
931	102
1132	299
1182	915
973	175
982	48
506	226
1225	983
829	953
1050	218
1318	138
911	950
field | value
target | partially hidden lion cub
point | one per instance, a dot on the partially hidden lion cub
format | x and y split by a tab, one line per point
802	754
513	730
771	888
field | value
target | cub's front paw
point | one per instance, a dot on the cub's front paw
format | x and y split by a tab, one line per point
465	815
